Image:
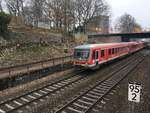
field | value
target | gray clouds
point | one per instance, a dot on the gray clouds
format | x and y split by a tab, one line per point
137	8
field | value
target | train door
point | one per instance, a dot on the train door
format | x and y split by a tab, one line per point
96	57
102	54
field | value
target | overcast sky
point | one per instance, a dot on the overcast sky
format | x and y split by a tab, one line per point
140	9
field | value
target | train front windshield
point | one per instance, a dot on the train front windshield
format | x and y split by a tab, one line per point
82	54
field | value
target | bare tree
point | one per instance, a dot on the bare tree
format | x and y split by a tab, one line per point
15	7
28	15
127	23
1	9
37	10
65	14
60	12
87	9
69	17
55	12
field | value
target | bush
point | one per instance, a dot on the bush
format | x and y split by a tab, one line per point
4	21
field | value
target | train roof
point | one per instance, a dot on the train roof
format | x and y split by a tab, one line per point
88	46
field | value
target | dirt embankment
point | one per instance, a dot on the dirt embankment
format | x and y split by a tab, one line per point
29	44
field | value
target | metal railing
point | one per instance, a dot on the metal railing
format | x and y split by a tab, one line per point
29	67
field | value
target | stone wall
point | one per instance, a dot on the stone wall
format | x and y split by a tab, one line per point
80	38
17	21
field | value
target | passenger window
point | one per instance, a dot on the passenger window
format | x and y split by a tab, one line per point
109	51
113	51
120	49
102	53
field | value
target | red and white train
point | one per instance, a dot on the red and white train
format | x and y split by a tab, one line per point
92	55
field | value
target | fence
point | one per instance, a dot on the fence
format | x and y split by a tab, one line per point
26	68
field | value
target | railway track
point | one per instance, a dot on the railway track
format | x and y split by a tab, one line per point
19	102
13	104
87	100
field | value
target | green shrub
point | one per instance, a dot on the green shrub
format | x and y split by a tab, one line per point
4	21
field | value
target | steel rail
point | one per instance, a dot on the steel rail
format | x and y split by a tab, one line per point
75	76
90	89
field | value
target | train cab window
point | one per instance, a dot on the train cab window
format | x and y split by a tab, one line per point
81	54
102	53
78	54
109	51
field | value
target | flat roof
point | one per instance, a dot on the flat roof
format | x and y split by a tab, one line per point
87	46
125	35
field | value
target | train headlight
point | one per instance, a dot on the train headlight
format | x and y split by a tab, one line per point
93	61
